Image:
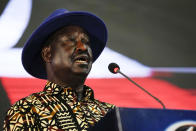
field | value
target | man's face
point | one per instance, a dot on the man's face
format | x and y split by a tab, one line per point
71	52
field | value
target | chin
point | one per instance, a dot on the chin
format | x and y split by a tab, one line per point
81	69
79	72
82	73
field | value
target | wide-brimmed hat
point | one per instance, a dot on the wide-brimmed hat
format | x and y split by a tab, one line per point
31	54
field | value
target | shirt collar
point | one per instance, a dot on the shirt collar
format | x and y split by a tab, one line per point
54	89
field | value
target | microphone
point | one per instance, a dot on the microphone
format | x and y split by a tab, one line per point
114	68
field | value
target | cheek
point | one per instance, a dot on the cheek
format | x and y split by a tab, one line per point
61	58
91	56
90	52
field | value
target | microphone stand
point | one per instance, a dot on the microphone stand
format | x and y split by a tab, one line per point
118	71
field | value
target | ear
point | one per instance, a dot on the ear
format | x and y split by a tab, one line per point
46	54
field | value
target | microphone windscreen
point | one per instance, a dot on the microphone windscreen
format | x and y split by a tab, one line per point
113	67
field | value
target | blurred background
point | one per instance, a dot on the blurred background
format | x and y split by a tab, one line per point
160	35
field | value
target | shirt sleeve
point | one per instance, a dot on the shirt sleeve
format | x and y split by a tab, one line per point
18	118
13	121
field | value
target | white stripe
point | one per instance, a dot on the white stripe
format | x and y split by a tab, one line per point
14	21
190	70
129	66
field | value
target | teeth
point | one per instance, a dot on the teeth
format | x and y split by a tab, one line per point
80	61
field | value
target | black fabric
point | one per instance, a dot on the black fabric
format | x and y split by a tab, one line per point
107	123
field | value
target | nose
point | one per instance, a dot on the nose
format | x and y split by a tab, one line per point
81	46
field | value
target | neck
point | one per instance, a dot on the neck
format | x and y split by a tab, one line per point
76	83
64	79
73	82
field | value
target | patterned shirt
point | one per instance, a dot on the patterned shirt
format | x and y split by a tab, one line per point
56	108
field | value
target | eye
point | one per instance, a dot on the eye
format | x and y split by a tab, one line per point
72	39
85	41
67	43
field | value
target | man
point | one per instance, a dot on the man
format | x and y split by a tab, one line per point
62	50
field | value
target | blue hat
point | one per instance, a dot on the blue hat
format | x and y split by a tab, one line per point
31	54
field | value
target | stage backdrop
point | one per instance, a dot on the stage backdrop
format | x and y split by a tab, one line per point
152	41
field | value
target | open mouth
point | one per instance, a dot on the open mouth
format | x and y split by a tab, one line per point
83	59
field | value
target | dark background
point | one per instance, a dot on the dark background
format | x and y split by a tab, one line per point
156	33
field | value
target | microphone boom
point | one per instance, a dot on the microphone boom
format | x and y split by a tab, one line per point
114	68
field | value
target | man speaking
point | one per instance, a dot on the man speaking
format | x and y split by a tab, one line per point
62	50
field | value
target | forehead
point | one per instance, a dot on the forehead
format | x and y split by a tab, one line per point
68	31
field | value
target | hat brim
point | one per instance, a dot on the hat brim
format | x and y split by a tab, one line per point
31	54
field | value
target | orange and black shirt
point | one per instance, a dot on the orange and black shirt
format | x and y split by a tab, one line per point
56	108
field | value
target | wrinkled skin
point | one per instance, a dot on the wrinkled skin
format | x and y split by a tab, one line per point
68	58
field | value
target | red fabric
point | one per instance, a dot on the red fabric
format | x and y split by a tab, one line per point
116	91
